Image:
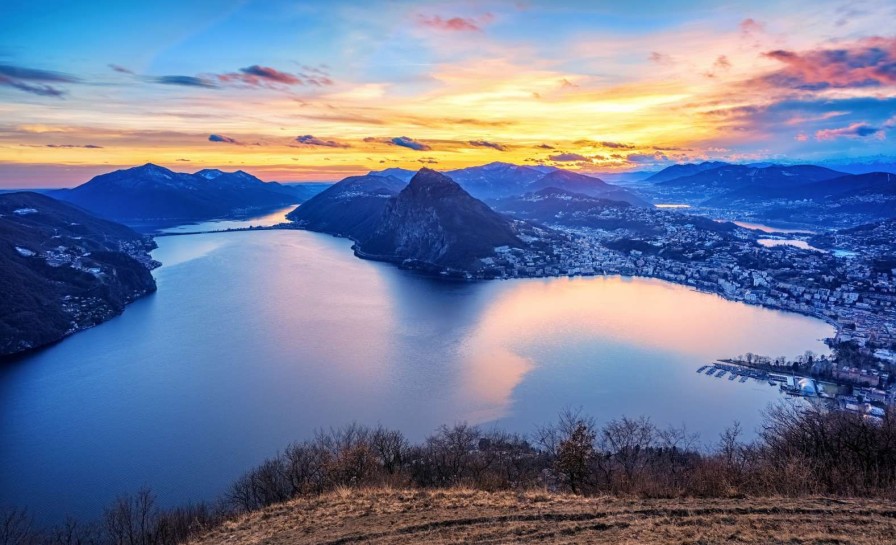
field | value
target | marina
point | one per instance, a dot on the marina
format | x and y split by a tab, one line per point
741	373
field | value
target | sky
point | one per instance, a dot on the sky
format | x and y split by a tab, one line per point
300	91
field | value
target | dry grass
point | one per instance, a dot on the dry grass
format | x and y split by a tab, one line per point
386	516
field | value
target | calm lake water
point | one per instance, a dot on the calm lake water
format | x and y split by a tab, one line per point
796	243
770	228
255	339
273	217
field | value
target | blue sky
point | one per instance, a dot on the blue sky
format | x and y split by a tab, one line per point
595	86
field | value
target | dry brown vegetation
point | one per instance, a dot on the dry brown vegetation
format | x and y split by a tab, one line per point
385	516
329	483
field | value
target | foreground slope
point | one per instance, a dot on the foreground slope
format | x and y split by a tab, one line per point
63	270
465	516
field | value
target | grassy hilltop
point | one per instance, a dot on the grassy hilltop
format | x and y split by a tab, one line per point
386	516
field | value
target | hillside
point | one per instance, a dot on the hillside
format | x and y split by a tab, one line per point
586	185
734	178
466	516
350	208
852	199
63	270
688	169
151	195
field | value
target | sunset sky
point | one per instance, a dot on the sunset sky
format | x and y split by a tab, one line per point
295	91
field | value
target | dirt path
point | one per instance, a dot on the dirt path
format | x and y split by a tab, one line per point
463	516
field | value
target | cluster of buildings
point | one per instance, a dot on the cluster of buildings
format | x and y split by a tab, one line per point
856	294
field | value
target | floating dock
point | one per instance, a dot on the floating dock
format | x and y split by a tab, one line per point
734	372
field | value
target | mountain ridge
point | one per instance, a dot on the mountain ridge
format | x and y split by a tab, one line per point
151	194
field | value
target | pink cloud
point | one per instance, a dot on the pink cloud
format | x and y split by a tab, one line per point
749	27
456	24
867	63
854	130
265	76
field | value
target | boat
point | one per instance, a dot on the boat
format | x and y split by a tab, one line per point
732	376
744	378
702	369
721	373
711	370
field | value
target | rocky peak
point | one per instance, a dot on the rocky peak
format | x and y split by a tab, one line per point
428	183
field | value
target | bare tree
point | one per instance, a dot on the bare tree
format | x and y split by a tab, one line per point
131	520
391	447
16	527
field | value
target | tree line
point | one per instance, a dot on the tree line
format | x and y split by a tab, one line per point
799	451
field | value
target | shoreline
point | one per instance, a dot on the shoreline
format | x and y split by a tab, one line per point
433	271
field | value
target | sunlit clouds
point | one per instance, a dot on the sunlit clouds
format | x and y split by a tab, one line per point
320	91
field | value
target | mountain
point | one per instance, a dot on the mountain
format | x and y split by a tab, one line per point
402	174
496	179
840	201
435	222
555	207
679	171
829	189
350	208
305	190
586	185
500	180
63	270
155	195
742	177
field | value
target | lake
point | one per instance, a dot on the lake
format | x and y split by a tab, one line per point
795	242
770	228
273	217
255	339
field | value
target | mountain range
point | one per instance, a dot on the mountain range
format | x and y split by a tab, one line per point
499	180
156	196
803	194
63	270
557	207
728	178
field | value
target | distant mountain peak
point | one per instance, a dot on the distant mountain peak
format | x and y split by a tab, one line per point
431	183
500	165
209	173
150	167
